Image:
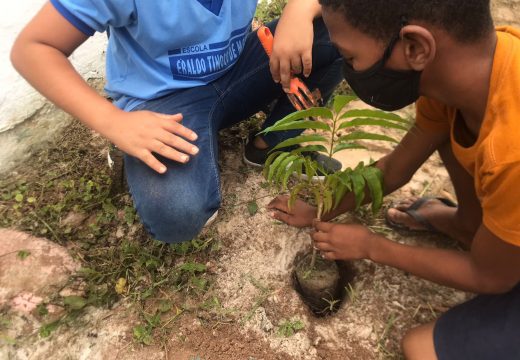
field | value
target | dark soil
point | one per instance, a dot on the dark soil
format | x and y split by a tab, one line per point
323	288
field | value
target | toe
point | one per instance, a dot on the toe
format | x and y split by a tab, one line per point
404	204
402	218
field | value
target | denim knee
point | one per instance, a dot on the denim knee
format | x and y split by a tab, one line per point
174	219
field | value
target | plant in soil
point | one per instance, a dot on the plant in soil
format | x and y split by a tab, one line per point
289	168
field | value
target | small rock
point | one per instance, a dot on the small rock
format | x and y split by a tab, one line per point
38	276
262	320
364	332
73	219
120	233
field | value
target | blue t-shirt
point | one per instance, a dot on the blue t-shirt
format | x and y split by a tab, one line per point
159	46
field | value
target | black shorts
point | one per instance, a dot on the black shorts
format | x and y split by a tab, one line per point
486	327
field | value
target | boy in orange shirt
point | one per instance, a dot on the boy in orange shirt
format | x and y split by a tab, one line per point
468	75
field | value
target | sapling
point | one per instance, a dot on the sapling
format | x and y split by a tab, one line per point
328	131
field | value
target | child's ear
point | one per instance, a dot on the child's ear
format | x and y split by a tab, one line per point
419	46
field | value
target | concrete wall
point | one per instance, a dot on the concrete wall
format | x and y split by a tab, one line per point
18	101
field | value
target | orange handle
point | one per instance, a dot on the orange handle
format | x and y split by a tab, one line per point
266	39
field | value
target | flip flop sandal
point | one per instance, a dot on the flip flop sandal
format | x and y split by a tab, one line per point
413	212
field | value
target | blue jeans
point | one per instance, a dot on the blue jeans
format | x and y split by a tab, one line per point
175	206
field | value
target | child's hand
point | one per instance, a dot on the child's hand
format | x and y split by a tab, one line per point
343	242
300	215
142	133
292	48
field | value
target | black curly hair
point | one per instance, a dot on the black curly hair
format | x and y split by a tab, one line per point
466	20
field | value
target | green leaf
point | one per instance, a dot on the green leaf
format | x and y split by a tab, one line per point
282	168
289	328
294	194
310	168
345	179
42	310
23	254
147	293
358	185
327	200
18	197
252	207
376	114
299	140
268	163
143	334
192	267
299	115
372	122
296	166
361	135
274	166
340	101
309	148
374	180
349	146
165	306
75	302
47	329
341	190
304	125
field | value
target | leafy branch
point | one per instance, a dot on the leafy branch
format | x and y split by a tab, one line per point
325	135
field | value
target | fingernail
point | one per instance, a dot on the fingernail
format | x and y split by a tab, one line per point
194	150
185	158
162	169
194	136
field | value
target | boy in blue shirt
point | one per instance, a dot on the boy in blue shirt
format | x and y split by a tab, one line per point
178	71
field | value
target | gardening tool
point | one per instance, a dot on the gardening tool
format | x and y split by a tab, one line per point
299	94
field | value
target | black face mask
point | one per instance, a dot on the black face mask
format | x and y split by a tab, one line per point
383	88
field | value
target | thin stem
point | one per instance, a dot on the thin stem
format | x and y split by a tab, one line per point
334	127
314	252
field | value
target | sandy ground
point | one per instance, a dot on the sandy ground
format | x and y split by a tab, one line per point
254	285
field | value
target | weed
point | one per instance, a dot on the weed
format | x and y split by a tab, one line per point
23	254
332	305
268	11
259	300
63	193
143	334
383	338
352	293
42	310
252	207
288	328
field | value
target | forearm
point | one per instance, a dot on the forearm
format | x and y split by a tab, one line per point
451	268
303	9
50	72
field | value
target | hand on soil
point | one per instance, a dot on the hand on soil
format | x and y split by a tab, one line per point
300	215
342	242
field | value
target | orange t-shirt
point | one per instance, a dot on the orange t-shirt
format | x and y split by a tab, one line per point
494	159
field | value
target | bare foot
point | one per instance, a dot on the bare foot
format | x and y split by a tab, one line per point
433	210
438	215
